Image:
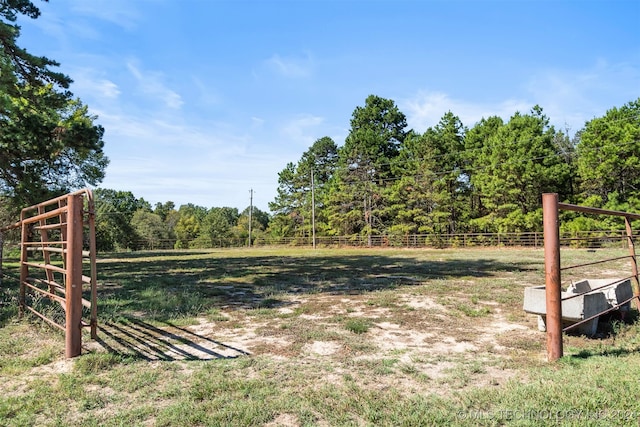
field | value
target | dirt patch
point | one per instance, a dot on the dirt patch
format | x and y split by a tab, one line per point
322	348
284	420
58	367
423	303
423	342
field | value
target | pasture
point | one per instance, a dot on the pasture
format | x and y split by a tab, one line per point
287	337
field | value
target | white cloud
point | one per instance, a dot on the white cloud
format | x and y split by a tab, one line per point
303	129
172	160
122	13
426	109
150	83
107	88
569	97
93	85
101	88
291	67
572	97
151	133
206	94
257	122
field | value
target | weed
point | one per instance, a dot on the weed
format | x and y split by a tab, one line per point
262	312
357	325
214	315
473	312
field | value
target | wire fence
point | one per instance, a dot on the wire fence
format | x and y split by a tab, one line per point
585	239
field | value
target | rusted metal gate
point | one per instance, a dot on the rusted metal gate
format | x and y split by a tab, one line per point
553	293
58	263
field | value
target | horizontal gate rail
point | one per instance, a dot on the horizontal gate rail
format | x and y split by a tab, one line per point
609	310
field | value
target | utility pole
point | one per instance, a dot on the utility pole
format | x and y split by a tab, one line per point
1	250
313	209
250	213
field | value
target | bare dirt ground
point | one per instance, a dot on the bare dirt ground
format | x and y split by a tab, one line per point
401	330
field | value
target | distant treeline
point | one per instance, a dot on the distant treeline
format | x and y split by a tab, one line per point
387	181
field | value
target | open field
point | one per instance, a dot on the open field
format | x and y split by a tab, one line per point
328	337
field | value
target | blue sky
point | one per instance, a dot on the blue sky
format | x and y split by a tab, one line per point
204	100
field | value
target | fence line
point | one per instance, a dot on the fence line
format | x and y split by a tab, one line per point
586	239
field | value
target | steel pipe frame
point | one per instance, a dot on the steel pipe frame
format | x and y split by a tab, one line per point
552	276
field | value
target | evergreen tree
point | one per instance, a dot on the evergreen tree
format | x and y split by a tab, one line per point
364	170
292	207
445	143
411	197
515	165
609	158
475	140
49	143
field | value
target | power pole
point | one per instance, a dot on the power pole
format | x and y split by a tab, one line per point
1	250
250	213
313	209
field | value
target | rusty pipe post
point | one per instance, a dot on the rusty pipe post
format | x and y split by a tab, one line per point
634	264
73	294
24	269
552	275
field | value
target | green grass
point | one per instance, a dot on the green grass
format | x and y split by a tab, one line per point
357	325
315	353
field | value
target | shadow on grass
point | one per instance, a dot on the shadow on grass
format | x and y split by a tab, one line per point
167	285
8	298
158	253
141	340
612	352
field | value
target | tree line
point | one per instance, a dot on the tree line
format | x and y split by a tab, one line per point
387	180
126	222
390	180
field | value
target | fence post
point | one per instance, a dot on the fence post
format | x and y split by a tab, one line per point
552	276
73	285
24	269
634	263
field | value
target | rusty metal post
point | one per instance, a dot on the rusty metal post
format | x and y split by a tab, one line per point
24	269
634	264
92	261
552	275
73	300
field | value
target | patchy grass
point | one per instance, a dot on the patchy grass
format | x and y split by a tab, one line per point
326	337
357	325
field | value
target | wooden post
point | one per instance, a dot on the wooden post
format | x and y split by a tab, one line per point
634	264
73	338
552	276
